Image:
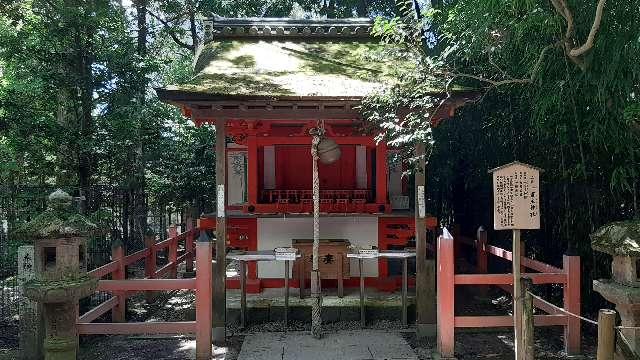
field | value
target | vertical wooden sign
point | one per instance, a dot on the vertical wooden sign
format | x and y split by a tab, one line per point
516	206
516	197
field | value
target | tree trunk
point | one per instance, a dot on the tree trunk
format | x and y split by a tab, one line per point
138	185
83	39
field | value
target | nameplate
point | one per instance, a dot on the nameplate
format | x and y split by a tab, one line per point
283	254
368	253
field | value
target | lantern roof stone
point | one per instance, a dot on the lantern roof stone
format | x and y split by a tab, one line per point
620	238
59	219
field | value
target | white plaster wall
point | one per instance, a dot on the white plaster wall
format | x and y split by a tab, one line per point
275	232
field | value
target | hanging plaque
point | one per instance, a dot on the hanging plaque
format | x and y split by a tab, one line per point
516	197
421	207
220	201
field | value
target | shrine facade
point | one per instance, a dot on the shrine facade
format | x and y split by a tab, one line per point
264	84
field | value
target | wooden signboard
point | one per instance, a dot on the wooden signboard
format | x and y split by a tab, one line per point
516	197
516	206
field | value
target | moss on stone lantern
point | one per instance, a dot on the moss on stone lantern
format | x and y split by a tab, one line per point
59	238
621	240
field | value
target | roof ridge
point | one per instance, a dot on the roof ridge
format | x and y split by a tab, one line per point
234	28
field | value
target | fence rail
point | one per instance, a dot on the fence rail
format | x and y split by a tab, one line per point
568	276
120	287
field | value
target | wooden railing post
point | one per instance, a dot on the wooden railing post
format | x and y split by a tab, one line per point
173	251
481	252
118	314
528	339
572	336
446	295
606	334
150	266
189	248
482	265
203	297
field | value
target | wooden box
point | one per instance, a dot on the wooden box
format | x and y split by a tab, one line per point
331	251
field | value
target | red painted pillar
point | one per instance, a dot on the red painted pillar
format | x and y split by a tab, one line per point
203	298
173	251
446	295
572	333
119	311
381	173
252	170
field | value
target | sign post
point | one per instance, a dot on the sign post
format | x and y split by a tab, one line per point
516	206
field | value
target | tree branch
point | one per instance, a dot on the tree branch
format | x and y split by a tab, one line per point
592	33
562	8
173	35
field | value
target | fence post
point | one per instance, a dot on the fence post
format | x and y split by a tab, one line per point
150	264
118	313
606	334
204	319
481	258
173	251
528	338
189	248
481	252
572	336
446	295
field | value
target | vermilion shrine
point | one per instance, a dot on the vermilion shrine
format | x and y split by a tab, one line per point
264	84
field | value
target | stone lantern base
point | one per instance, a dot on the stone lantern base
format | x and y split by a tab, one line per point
627	300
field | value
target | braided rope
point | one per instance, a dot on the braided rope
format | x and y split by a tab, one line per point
563	310
316	305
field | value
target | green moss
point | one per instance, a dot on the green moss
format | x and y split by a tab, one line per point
287	68
620	238
70	280
59	220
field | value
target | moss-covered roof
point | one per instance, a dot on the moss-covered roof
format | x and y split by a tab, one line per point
59	220
284	68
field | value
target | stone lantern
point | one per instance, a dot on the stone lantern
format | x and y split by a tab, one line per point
622	241
60	258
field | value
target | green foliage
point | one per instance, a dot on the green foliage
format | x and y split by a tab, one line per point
578	119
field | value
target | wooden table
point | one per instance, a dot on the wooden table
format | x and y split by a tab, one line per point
264	255
390	254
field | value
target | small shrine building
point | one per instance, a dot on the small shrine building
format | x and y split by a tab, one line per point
264	83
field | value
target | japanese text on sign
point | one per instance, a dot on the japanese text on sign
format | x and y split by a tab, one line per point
516	197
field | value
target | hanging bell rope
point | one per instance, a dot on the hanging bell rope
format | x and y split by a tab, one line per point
327	152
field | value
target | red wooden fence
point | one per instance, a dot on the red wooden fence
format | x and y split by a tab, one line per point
568	276
165	279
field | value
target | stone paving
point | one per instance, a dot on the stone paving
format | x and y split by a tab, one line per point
348	345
